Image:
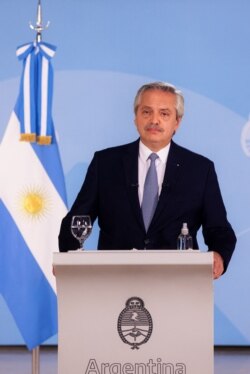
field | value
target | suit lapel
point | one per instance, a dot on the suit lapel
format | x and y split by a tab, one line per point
130	164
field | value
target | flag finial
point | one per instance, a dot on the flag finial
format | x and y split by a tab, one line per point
39	27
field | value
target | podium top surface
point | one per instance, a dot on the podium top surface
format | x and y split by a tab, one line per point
132	257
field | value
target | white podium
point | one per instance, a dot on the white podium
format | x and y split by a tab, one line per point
135	312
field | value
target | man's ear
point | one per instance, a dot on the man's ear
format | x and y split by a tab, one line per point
135	121
178	123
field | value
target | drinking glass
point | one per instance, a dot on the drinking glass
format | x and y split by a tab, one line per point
81	228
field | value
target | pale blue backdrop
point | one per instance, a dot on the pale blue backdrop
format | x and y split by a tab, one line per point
106	50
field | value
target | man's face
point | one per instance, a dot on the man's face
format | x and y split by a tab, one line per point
156	118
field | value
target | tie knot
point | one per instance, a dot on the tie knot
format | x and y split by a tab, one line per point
153	156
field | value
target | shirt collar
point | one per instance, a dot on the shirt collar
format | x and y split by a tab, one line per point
145	152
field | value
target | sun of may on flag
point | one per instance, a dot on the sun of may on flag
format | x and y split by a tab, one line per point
32	200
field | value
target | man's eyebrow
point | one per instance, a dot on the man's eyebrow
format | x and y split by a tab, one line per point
166	109
161	109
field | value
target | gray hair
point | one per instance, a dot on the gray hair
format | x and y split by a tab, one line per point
165	87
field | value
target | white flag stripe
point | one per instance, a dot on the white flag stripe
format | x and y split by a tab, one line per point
44	101
22	49
26	97
34	229
47	50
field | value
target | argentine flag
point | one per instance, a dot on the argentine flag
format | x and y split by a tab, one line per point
32	201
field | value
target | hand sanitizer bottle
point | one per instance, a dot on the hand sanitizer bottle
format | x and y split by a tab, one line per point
184	240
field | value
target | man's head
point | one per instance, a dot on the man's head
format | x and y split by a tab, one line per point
159	108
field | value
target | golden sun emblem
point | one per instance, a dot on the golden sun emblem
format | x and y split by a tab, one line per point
34	203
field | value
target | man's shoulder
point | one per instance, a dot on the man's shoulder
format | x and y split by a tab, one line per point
119	149
188	155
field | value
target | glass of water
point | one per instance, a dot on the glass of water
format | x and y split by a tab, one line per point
81	228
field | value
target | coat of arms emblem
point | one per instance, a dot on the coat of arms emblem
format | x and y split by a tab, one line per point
135	323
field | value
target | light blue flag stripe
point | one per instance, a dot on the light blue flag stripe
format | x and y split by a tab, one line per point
31	299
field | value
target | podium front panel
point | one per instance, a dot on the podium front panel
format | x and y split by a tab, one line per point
126	312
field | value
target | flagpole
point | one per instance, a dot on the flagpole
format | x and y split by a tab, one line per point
36	360
38	27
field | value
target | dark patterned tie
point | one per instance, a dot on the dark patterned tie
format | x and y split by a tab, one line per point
150	193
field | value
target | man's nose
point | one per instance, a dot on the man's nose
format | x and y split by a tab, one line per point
155	118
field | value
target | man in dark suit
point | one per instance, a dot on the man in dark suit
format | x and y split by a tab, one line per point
188	189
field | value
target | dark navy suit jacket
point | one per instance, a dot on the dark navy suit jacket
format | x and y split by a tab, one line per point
190	193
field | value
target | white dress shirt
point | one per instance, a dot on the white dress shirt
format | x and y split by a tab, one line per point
144	163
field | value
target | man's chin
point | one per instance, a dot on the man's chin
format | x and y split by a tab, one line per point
154	143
